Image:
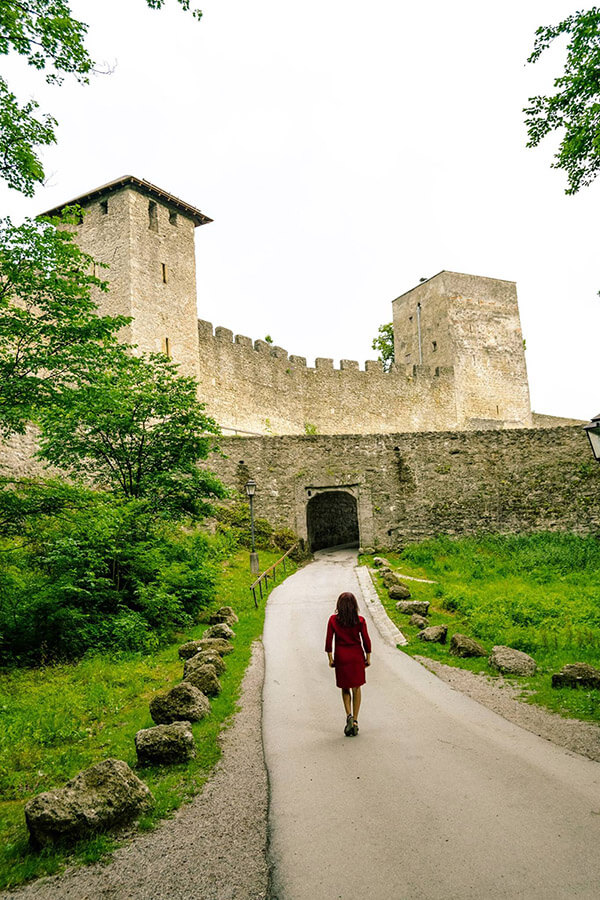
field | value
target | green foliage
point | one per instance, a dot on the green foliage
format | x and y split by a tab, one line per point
134	424
50	332
61	719
575	107
309	428
96	571
537	593
268	339
51	40
384	344
234	521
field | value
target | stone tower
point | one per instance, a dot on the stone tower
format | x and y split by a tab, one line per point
146	237
472	324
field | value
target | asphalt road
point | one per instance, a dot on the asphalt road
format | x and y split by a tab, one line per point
437	797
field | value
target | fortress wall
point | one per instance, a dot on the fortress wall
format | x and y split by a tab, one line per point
255	387
471	323
106	236
411	486
151	271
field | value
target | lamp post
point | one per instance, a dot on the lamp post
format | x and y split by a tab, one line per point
250	491
593	432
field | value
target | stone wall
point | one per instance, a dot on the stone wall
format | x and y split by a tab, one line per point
460	362
410	486
471	323
149	250
254	387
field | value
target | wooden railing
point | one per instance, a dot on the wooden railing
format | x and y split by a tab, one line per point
271	572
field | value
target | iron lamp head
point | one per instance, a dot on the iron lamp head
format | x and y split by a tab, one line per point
593	432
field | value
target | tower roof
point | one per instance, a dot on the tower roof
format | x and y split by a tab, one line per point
145	187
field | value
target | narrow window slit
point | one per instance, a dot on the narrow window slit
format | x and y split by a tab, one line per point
152	216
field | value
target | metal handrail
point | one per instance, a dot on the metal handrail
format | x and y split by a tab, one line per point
271	572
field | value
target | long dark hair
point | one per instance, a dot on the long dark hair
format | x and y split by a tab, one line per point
347	610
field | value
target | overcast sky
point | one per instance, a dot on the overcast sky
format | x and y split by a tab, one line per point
344	150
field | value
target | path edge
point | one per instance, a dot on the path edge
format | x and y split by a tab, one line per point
386	628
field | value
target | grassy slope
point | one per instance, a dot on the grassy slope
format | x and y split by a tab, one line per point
59	720
538	593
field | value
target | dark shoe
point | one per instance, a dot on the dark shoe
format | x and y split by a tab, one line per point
349	729
354	727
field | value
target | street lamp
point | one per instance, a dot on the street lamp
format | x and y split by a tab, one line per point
593	432
250	491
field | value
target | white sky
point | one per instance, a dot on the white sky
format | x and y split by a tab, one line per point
344	150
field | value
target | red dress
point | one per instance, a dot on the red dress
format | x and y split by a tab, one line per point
351	644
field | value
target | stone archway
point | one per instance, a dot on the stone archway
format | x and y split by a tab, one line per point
332	520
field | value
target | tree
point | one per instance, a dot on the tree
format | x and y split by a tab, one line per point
133	424
49	325
384	343
47	35
575	107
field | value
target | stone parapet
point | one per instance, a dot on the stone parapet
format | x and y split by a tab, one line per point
257	387
411	486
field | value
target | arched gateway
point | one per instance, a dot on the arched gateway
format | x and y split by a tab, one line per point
332	520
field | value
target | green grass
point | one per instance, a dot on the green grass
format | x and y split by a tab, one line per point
538	593
58	720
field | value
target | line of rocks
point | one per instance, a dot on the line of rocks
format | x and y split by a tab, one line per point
507	660
109	794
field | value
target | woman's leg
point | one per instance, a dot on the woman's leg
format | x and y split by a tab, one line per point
356	697
346	700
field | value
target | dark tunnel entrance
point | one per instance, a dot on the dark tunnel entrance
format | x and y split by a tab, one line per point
332	520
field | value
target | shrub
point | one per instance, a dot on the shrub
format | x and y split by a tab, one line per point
104	573
235	519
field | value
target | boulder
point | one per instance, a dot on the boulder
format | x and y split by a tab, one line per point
215	645
190	648
419	621
577	675
435	633
165	744
211	658
369	551
184	702
463	646
202	676
224	614
399	592
105	796
391	579
219	631
380	561
511	662
408	607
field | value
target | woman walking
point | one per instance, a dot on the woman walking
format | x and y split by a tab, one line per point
352	655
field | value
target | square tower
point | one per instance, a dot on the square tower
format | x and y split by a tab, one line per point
472	324
146	237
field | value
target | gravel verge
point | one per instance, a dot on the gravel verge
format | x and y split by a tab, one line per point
214	848
500	695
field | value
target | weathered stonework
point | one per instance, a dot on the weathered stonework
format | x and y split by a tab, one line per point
412	486
460	363
146	238
255	388
472	324
441	444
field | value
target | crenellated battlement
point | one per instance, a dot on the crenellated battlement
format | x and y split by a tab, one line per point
253	386
460	363
223	335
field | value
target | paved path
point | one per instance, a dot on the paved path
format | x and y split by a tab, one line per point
437	797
